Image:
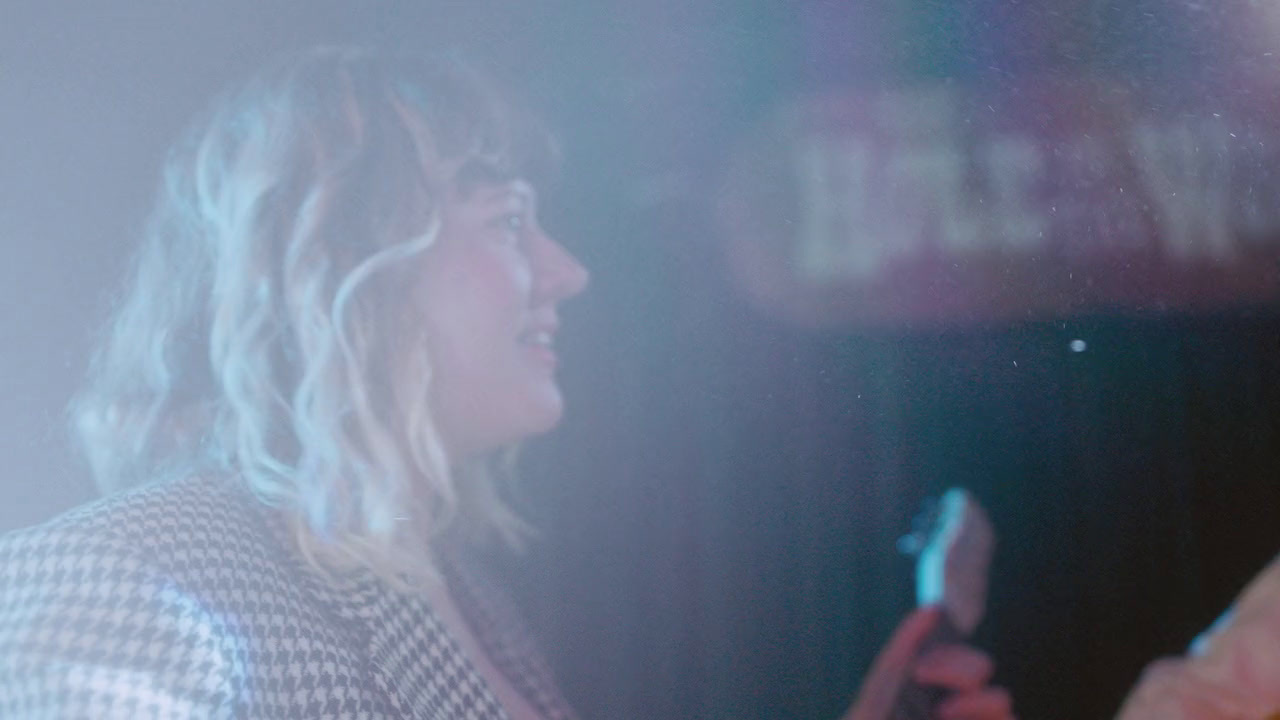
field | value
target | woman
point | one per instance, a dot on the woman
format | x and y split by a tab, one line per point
342	317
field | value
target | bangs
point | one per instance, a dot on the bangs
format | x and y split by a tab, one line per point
474	129
531	155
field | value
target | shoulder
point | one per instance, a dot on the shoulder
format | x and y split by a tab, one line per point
1232	670
180	529
1260	601
121	605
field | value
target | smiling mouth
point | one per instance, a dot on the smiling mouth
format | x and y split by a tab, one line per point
540	344
538	338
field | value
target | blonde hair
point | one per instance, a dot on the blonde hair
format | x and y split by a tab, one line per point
266	332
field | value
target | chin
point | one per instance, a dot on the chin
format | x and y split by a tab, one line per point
549	419
545	410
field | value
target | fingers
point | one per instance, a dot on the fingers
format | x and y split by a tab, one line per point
881	685
958	667
962	669
965	671
902	648
985	704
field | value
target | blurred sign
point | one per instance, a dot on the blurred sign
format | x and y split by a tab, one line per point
941	204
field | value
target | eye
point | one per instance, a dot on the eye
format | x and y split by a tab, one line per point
510	226
513	221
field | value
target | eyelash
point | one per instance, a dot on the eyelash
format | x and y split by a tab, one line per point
513	223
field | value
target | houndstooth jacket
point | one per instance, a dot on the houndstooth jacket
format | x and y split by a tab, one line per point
185	600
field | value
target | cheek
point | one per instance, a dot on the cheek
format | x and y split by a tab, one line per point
473	303
495	285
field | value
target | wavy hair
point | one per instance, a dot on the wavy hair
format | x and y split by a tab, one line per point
266	332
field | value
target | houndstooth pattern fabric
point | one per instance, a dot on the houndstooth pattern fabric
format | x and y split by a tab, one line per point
185	600
505	636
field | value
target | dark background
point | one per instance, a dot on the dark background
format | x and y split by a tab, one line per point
720	507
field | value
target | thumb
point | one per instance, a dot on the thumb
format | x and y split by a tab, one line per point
884	681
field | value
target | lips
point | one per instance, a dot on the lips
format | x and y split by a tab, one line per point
540	343
541	338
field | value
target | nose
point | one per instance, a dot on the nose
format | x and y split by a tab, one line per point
559	275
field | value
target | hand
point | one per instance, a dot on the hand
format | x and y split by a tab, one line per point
963	670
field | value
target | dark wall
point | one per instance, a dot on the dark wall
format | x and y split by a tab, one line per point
732	543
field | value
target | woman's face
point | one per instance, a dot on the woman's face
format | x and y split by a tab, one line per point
491	288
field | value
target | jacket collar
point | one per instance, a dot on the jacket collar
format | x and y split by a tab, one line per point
413	661
495	619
